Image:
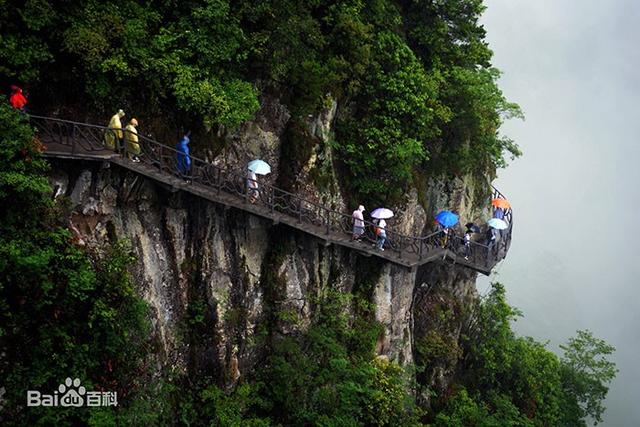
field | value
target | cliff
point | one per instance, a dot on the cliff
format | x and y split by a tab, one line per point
216	273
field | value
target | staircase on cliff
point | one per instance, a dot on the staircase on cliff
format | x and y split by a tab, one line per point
82	141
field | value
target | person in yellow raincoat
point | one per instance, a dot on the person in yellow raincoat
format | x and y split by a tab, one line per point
113	138
131	140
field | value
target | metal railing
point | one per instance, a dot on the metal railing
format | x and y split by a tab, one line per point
87	139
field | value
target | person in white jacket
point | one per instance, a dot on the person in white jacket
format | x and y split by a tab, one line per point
358	223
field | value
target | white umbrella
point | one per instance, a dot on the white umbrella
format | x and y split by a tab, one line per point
259	167
497	223
382	213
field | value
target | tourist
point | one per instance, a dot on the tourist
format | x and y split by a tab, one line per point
131	141
183	160
252	186
491	237
17	99
113	136
381	233
358	223
467	243
444	238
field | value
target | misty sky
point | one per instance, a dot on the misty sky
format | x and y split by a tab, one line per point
574	68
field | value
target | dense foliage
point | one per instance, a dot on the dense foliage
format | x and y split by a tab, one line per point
413	79
509	380
328	375
63	313
333	373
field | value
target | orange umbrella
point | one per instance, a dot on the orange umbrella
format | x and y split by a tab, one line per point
501	203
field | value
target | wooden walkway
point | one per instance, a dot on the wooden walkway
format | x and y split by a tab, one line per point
69	140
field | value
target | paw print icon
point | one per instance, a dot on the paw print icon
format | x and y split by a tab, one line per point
72	393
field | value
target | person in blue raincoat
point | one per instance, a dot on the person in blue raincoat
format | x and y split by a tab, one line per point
183	160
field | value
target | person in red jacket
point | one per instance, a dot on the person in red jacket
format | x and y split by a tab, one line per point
17	99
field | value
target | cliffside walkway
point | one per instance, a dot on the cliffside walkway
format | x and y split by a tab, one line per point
81	141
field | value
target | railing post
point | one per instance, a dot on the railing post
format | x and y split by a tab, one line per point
420	249
272	199
73	140
125	144
328	220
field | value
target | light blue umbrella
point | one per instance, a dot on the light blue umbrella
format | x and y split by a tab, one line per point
382	213
497	223
447	218
259	167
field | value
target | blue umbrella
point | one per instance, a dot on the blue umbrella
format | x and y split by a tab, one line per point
382	213
259	167
447	218
497	224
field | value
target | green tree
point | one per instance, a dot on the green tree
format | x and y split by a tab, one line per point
509	380
450	41
517	369
394	118
332	372
586	372
63	313
413	79
462	410
24	48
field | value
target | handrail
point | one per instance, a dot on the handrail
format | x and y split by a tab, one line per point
90	138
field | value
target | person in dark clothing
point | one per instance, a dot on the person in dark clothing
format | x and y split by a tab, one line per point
467	244
491	237
381	233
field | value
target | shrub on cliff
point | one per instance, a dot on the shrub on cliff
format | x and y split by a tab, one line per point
509	380
63	313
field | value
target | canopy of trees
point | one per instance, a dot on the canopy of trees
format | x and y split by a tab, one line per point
509	380
413	78
63	311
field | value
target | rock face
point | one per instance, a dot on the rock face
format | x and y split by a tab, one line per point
443	299
207	268
393	297
468	195
193	254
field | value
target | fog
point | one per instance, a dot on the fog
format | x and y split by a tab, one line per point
573	66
